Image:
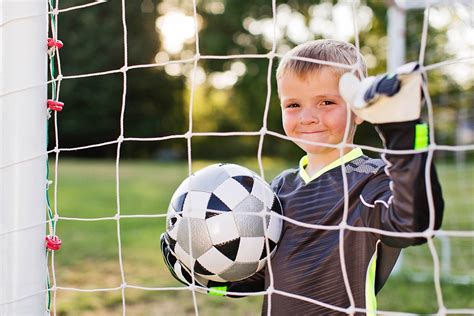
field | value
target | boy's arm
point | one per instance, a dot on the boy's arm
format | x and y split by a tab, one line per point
397	201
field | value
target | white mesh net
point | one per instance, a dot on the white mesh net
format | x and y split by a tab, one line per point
270	28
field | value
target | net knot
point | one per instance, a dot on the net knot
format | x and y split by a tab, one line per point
55	105
53	242
53	43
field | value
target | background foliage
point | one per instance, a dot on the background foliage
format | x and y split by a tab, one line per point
157	104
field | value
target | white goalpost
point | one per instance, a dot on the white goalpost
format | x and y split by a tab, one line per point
24	284
23	92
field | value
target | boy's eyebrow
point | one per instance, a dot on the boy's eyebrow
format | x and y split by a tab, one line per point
333	95
319	96
323	95
288	99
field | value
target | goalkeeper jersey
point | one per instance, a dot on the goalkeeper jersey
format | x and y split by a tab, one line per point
386	194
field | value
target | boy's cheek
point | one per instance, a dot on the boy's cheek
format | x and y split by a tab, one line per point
286	125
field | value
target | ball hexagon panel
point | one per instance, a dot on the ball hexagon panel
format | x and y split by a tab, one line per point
207	179
250	204
177	203
274	228
214	261
182	189
239	271
245	181
276	205
231	192
261	191
250	249
199	269
249	225
200	240
271	248
195	204
222	228
173	229
229	248
216	206
236	170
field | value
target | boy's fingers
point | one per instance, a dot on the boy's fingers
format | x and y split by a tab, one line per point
385	98
349	85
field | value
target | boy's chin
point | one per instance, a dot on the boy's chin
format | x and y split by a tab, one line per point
317	150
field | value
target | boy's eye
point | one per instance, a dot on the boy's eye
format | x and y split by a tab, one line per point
327	102
292	105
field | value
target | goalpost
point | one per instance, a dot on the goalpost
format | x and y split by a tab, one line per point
23	153
23	91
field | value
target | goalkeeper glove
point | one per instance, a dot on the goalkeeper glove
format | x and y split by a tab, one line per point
181	273
385	98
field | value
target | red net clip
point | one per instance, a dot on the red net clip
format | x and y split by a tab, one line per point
53	242
55	105
55	43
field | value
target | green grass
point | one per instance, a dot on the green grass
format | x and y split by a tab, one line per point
89	257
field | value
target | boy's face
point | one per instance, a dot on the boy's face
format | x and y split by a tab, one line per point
313	109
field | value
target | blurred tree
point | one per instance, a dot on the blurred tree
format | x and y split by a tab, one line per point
94	42
157	104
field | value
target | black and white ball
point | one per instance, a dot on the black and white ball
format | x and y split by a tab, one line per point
218	219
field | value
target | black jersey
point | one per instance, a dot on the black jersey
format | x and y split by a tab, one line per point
387	195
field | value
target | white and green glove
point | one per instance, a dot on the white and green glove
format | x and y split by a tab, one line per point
387	98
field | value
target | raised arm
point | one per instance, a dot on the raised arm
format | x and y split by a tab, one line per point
397	200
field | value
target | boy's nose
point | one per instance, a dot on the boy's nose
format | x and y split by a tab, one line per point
309	116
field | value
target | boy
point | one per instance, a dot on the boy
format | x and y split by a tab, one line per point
387	195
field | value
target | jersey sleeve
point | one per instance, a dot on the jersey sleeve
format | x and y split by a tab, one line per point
397	199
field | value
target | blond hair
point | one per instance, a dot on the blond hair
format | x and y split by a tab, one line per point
326	50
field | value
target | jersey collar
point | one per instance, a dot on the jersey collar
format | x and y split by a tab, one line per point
353	154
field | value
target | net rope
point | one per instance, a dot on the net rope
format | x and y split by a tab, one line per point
55	217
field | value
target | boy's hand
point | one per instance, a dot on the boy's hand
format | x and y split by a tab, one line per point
182	274
385	98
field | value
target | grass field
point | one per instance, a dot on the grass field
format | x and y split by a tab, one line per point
89	258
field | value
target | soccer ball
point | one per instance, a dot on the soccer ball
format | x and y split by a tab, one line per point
217	219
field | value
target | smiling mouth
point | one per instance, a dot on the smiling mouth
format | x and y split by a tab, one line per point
312	132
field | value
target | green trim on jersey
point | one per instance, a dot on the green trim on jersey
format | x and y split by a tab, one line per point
353	154
370	300
421	136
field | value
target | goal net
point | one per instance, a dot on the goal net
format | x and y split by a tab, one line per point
188	83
